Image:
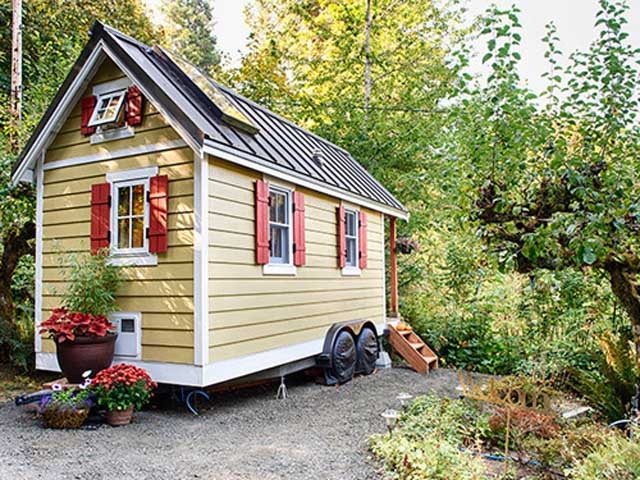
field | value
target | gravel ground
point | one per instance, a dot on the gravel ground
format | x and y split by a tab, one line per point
319	432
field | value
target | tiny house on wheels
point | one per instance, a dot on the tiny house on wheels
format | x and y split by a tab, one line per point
248	243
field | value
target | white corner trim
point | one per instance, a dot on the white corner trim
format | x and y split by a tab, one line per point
38	260
111	86
132	174
115	154
110	134
384	270
133	260
281	173
279	269
201	260
350	271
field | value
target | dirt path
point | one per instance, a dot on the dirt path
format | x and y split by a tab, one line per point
317	433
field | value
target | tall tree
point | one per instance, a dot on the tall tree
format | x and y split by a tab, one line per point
190	32
558	187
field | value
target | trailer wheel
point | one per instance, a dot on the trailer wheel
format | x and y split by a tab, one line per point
367	349
343	356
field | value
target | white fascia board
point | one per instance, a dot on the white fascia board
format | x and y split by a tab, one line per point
201	260
276	171
68	101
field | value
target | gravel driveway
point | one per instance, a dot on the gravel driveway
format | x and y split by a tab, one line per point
318	433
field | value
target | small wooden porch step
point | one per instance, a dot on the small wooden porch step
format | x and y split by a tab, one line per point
413	349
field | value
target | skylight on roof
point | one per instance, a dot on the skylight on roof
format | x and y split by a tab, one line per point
229	112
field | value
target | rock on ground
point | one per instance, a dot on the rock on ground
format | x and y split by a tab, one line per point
319	432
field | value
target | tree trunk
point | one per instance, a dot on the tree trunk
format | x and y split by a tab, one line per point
624	284
367	60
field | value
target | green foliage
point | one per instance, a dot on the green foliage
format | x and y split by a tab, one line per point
425	443
611	387
618	458
92	283
189	32
121	396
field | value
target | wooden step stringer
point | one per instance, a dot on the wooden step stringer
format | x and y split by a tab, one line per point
411	347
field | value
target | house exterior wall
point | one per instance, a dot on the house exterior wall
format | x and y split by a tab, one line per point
162	293
251	312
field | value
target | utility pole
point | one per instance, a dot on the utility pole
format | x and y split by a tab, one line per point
367	59
16	74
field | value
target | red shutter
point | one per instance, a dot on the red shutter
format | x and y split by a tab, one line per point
342	241
262	222
363	240
134	106
158	207
100	215
299	248
87	104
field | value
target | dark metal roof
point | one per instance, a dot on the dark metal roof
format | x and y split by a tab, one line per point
277	140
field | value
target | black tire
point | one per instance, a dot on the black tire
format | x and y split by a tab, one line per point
367	350
343	357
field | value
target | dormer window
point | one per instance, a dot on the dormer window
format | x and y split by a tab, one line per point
108	108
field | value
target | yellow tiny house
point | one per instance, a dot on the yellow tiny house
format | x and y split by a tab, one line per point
248	243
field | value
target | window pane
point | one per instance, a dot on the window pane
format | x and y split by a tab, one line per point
272	206
123	233
351	224
111	109
282	203
351	252
137	233
138	200
123	201
276	242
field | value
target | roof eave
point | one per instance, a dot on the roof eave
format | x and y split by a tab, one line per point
254	163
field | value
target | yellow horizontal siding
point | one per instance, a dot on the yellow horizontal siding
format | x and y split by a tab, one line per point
251	312
162	293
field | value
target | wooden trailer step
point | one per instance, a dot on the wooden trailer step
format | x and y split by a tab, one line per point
413	349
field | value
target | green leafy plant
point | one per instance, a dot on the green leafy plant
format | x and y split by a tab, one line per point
66	407
92	284
616	458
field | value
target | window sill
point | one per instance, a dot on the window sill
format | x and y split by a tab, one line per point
141	260
351	272
108	135
276	269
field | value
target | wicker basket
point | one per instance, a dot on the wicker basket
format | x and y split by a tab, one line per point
64	418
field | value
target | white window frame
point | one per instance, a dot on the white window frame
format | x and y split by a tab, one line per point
117	318
107	134
125	178
352	270
279	268
94	122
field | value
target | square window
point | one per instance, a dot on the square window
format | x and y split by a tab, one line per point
127	325
107	109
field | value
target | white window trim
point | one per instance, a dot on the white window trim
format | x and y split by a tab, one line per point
137	319
130	257
93	122
282	268
352	270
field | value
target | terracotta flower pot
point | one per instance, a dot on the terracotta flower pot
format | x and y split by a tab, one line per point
85	353
116	418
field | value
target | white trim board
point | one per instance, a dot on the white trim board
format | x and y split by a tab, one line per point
216	372
281	173
115	154
38	260
201	260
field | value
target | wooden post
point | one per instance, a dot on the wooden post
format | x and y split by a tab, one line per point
393	267
16	74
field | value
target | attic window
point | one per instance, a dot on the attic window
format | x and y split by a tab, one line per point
108	108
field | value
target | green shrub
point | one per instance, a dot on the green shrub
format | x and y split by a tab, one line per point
617	458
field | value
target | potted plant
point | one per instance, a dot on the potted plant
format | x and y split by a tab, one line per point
120	389
84	337
66	407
